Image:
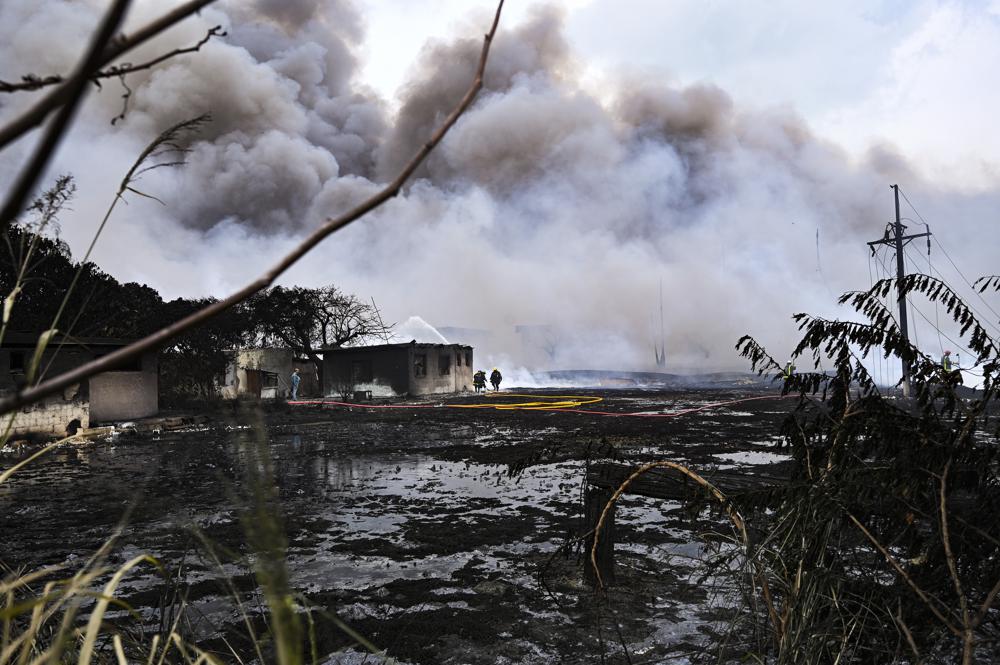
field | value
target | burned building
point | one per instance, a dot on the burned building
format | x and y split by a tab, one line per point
128	392
387	370
266	373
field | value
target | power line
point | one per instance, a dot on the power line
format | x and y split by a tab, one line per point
965	279
937	320
937	327
956	344
909	302
982	317
894	236
877	358
954	265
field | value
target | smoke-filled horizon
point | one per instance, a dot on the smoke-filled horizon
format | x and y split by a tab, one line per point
549	209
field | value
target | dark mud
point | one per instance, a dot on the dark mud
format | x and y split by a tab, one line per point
435	533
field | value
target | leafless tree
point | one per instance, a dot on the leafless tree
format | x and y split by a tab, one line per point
308	320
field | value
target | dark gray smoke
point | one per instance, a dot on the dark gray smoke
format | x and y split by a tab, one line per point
534	49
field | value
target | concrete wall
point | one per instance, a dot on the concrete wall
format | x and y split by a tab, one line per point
53	415
117	395
393	370
126	395
450	358
276	361
463	377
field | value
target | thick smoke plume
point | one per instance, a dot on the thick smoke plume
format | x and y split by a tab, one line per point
549	206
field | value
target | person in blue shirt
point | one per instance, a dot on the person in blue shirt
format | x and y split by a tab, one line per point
295	384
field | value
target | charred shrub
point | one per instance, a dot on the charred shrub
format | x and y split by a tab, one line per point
883	545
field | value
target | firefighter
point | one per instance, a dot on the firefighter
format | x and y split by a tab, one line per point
950	370
788	371
496	378
479	381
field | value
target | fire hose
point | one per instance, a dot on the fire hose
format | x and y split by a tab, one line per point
558	403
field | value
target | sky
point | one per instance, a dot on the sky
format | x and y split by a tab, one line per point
861	72
737	153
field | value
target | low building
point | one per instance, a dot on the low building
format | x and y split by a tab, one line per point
128	392
388	370
266	373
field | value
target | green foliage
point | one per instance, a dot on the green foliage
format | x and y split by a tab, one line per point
193	363
102	307
882	547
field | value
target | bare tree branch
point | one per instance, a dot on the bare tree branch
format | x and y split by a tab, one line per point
113	50
164	335
898	618
967	625
31	82
75	89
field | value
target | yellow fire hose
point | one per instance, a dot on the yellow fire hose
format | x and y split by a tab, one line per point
538	403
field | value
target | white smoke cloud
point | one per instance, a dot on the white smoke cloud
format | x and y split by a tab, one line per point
547	205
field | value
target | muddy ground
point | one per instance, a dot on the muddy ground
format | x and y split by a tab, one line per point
435	533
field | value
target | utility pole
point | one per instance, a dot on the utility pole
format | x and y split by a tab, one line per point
898	241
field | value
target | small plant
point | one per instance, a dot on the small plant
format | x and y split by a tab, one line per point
882	546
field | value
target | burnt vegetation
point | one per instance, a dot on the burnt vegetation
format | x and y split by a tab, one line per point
882	546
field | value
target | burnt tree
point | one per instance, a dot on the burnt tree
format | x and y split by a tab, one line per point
309	320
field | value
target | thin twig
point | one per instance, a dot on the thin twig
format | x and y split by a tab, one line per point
164	335
987	602
913	585
967	626
30	82
909	636
113	50
75	89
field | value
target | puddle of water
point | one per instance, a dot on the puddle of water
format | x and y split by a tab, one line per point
753	457
361	525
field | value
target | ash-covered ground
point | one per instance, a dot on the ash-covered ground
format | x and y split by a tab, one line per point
435	533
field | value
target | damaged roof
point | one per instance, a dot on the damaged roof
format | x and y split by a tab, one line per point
386	347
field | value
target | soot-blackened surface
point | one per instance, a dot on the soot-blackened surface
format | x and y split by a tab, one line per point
430	531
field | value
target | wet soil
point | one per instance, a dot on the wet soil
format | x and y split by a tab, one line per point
441	535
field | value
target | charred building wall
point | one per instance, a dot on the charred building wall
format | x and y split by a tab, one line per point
125	393
448	368
398	369
266	373
382	369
